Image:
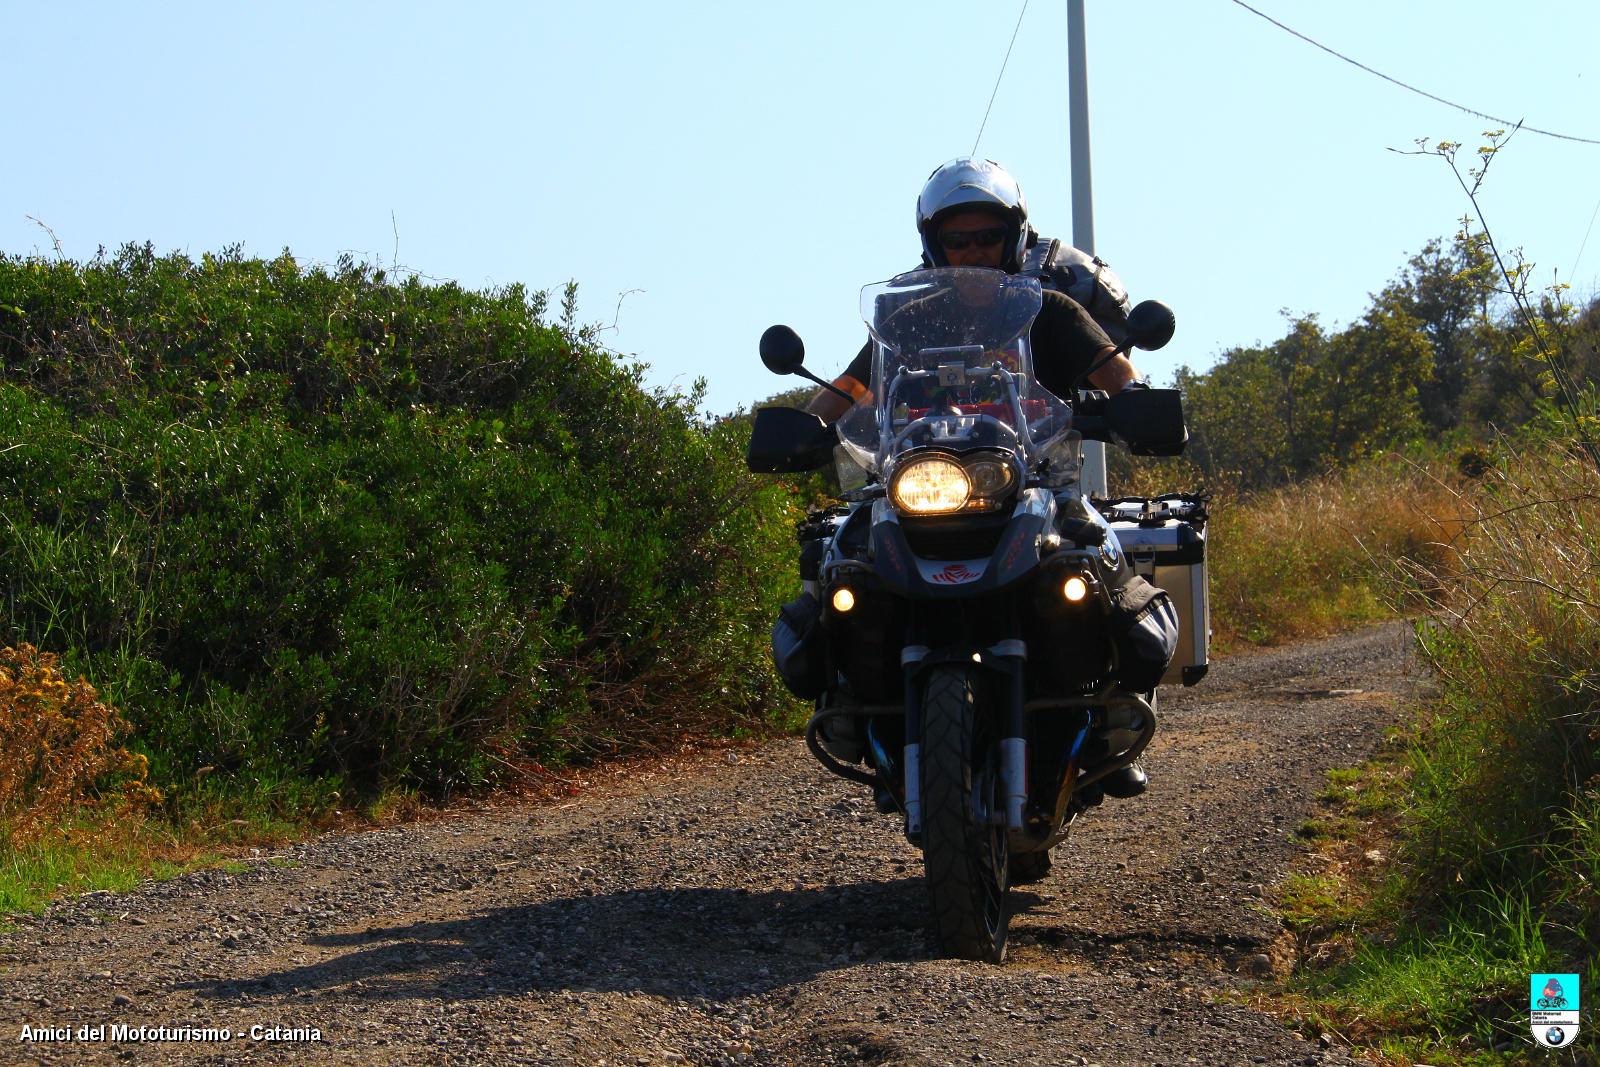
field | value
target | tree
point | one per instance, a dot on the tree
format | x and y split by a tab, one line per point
1310	400
1365	387
1448	291
1237	432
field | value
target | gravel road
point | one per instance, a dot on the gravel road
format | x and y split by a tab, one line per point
739	908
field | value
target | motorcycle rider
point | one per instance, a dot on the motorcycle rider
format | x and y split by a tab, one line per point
971	213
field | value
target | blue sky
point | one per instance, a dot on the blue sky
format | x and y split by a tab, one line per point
732	165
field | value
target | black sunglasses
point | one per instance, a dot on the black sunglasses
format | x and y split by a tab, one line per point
956	240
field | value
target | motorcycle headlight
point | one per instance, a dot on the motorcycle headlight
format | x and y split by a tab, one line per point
931	485
991	478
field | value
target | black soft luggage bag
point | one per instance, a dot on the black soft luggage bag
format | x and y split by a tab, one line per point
1144	632
797	647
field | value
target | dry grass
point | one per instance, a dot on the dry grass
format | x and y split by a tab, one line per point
1516	647
1491	871
58	750
1320	555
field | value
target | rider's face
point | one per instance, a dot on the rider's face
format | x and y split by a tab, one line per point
969	224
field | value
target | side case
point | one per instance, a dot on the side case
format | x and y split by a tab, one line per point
1165	540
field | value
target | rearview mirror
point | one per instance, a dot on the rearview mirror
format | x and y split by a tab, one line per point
782	350
1150	325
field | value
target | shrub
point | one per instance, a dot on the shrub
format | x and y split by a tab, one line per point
318	530
58	749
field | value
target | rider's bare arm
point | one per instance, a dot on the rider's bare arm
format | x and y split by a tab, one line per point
830	406
1115	374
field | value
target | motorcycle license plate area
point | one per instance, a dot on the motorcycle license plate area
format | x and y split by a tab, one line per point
1165	540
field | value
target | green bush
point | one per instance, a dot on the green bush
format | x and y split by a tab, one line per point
304	525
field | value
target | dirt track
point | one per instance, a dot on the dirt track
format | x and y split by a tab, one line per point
746	908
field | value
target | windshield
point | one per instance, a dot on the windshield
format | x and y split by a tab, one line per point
951	368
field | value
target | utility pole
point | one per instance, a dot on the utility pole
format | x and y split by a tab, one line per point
1094	453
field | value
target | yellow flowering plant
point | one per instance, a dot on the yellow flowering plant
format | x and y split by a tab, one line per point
59	751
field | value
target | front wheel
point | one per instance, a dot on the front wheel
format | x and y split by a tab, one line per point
964	841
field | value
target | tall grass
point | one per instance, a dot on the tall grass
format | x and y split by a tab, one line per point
1498	799
1312	558
1508	771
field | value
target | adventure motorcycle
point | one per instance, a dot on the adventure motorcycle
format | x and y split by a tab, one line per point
982	652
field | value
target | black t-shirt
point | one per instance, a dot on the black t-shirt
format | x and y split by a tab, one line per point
1065	342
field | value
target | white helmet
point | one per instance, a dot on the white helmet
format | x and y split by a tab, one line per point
966	184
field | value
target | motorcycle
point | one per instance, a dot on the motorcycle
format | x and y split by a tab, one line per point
980	648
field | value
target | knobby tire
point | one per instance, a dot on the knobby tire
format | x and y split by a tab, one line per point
965	862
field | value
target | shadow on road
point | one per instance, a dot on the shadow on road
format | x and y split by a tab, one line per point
695	942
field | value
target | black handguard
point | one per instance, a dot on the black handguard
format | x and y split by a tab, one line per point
788	440
1148	421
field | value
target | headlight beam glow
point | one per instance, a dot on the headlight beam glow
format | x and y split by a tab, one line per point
936	485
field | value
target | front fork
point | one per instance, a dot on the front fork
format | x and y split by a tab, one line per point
1005	659
1109	713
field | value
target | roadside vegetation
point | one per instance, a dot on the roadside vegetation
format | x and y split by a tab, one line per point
322	538
1466	856
1463	858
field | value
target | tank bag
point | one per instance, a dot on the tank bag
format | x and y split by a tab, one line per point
1085	278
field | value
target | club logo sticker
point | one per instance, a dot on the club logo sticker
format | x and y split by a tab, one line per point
1553	1009
953	574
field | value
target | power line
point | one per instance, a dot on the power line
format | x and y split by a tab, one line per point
1573	273
1403	85
998	78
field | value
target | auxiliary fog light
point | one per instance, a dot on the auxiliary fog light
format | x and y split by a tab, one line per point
843	600
1075	589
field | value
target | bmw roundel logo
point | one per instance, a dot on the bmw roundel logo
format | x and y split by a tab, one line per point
1108	551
